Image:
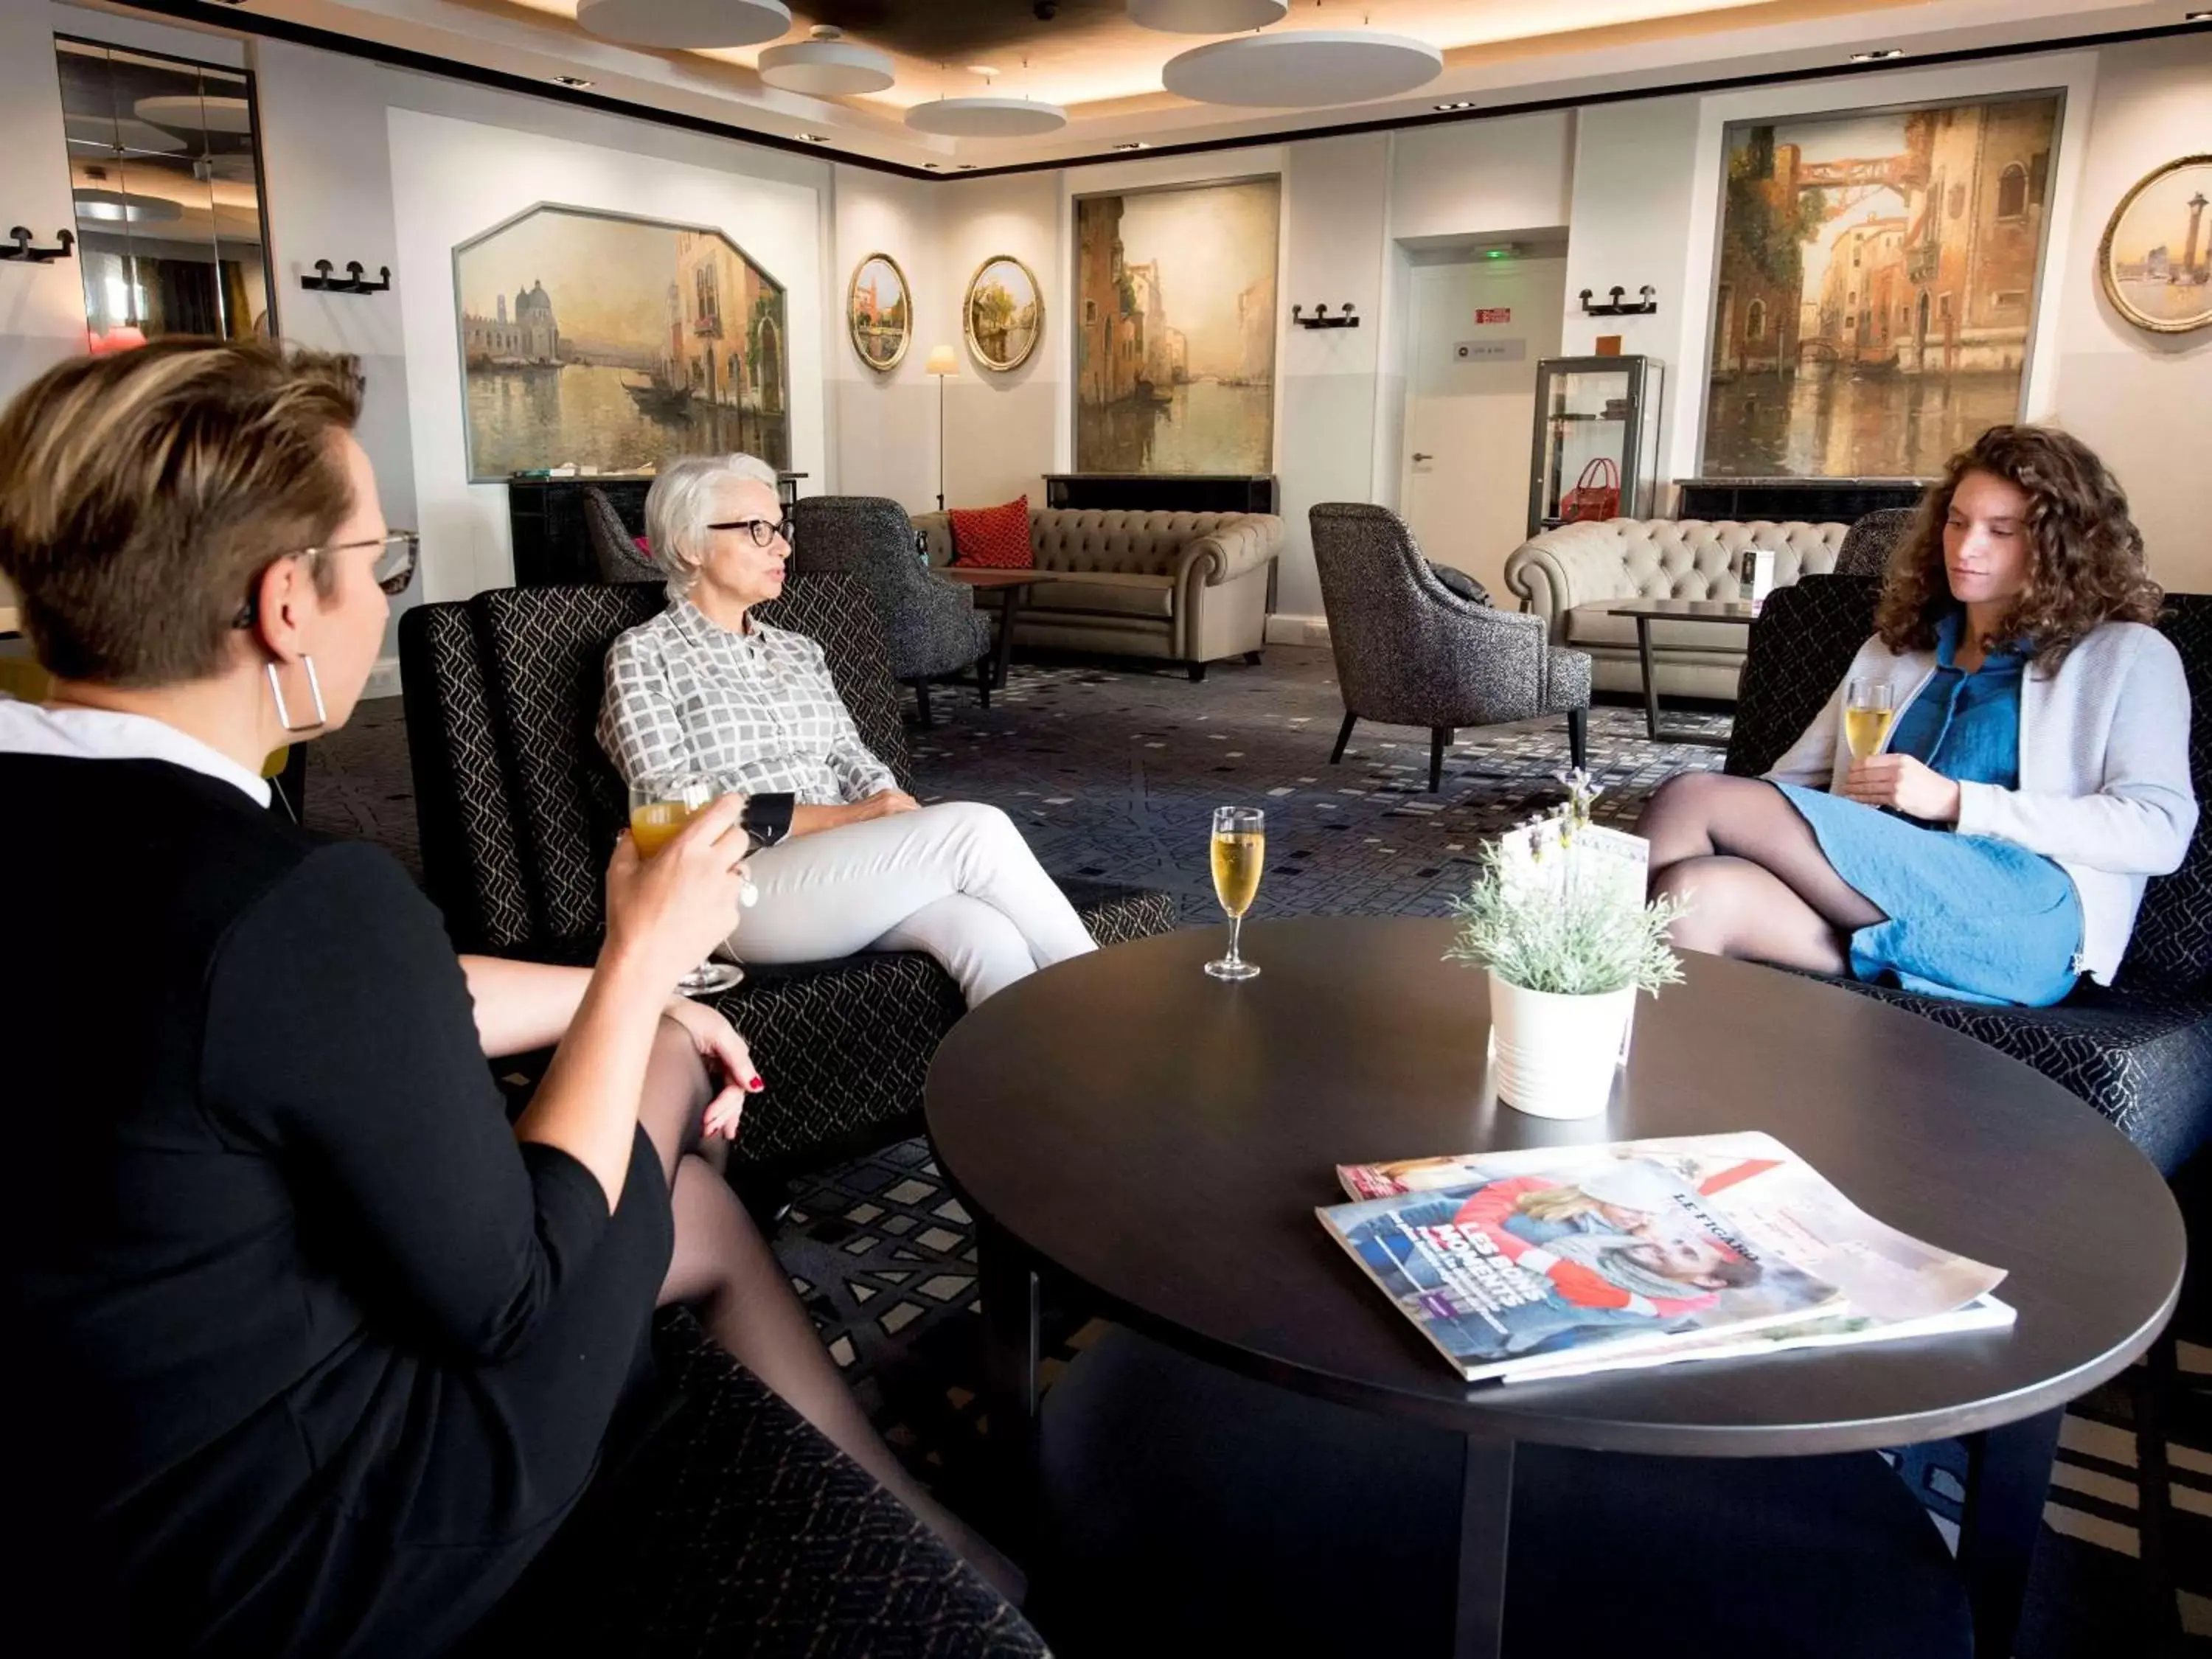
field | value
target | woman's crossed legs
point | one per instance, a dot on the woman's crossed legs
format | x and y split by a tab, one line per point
1753	874
723	1270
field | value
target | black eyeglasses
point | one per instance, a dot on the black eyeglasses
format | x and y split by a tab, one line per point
763	530
397	551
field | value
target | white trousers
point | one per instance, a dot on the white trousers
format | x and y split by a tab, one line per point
955	880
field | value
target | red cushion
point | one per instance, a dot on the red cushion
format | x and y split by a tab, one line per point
644	544
993	538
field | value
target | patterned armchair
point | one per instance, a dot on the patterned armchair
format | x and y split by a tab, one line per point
930	624
1869	541
614	544
2140	1051
518	810
1409	651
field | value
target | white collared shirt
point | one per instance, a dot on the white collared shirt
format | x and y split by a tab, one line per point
30	728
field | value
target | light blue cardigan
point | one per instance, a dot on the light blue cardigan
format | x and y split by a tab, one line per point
2104	788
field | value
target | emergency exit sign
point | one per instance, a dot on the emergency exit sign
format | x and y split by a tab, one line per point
1494	314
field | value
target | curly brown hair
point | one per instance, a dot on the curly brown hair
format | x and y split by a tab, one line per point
2087	555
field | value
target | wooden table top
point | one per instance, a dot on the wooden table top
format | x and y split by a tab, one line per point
987	576
1163	1139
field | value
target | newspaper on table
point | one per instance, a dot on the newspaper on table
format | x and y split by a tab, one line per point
1561	1260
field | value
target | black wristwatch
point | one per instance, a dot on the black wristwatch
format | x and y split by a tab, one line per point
766	819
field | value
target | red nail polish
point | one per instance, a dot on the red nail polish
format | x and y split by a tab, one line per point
755	1086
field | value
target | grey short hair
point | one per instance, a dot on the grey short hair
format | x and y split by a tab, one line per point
678	510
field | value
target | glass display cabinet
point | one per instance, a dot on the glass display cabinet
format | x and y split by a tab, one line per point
1597	430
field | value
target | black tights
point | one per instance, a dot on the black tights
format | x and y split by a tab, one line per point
723	1270
1752	873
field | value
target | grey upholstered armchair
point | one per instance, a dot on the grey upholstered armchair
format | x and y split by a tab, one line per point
930	624
614	548
1409	651
1870	540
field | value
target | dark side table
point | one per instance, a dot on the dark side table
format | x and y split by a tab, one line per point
1647	611
1011	587
1161	1140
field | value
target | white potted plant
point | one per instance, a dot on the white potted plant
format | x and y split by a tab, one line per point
1557	915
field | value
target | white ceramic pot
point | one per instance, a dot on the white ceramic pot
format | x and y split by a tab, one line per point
1554	1056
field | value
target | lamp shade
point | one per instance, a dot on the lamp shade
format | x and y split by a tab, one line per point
941	361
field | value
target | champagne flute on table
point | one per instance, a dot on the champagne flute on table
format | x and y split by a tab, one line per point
658	810
1240	847
1867	716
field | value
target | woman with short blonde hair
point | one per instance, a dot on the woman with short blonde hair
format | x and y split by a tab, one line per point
313	1351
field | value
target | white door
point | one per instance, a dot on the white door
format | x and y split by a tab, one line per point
1470	406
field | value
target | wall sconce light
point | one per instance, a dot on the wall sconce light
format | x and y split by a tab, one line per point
1321	319
1619	307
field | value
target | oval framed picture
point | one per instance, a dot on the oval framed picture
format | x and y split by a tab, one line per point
1004	314
879	311
2155	259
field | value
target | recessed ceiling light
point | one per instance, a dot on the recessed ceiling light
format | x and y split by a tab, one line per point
1134	144
1880	55
2197	17
934	167
811	137
965	166
576	81
982	69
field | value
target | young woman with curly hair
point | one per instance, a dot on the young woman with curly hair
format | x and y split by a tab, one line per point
2035	775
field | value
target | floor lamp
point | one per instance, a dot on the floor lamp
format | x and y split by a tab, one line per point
944	365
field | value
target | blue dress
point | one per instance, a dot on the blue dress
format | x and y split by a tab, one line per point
1970	917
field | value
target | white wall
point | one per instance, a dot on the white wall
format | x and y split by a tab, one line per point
2142	400
884	431
41	306
1487	178
1004	431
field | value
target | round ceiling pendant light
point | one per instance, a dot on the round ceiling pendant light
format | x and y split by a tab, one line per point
1302	67
986	118
107	133
115	208
825	65
685	23
1207	16
188	115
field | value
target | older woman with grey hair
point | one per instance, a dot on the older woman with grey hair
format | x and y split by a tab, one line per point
848	861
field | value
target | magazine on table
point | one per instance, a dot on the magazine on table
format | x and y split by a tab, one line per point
1560	1260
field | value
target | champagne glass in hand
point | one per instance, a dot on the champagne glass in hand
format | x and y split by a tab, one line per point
1240	847
658	810
1867	716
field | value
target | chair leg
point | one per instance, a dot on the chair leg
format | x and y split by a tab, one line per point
1197	673
1438	737
1343	737
1578	738
983	684
1252	656
921	702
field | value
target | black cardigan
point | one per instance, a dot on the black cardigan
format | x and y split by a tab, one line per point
314	1356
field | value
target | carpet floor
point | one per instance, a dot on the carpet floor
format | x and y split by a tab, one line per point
1113	772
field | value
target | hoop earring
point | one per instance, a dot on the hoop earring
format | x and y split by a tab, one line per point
314	690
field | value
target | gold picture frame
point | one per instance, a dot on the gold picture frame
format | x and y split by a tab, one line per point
2139	275
1002	326
880	329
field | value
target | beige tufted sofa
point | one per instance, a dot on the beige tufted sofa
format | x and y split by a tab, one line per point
1575	574
1192	587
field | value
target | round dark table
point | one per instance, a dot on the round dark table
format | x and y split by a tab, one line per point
1162	1139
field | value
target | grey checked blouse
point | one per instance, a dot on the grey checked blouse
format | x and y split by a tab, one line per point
757	710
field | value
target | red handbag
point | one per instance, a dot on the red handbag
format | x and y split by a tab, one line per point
1597	494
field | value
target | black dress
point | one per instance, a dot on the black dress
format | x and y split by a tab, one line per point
304	1348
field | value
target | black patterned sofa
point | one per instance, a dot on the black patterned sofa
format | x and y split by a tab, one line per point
2140	1051
519	810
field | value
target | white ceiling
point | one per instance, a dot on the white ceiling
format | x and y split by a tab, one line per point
1107	71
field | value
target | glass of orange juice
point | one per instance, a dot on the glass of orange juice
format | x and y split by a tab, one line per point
658	810
1240	848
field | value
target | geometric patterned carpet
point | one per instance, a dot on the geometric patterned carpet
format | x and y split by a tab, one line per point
1113	774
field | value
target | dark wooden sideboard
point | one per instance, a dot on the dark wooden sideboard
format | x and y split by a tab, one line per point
1152	492
1839	501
